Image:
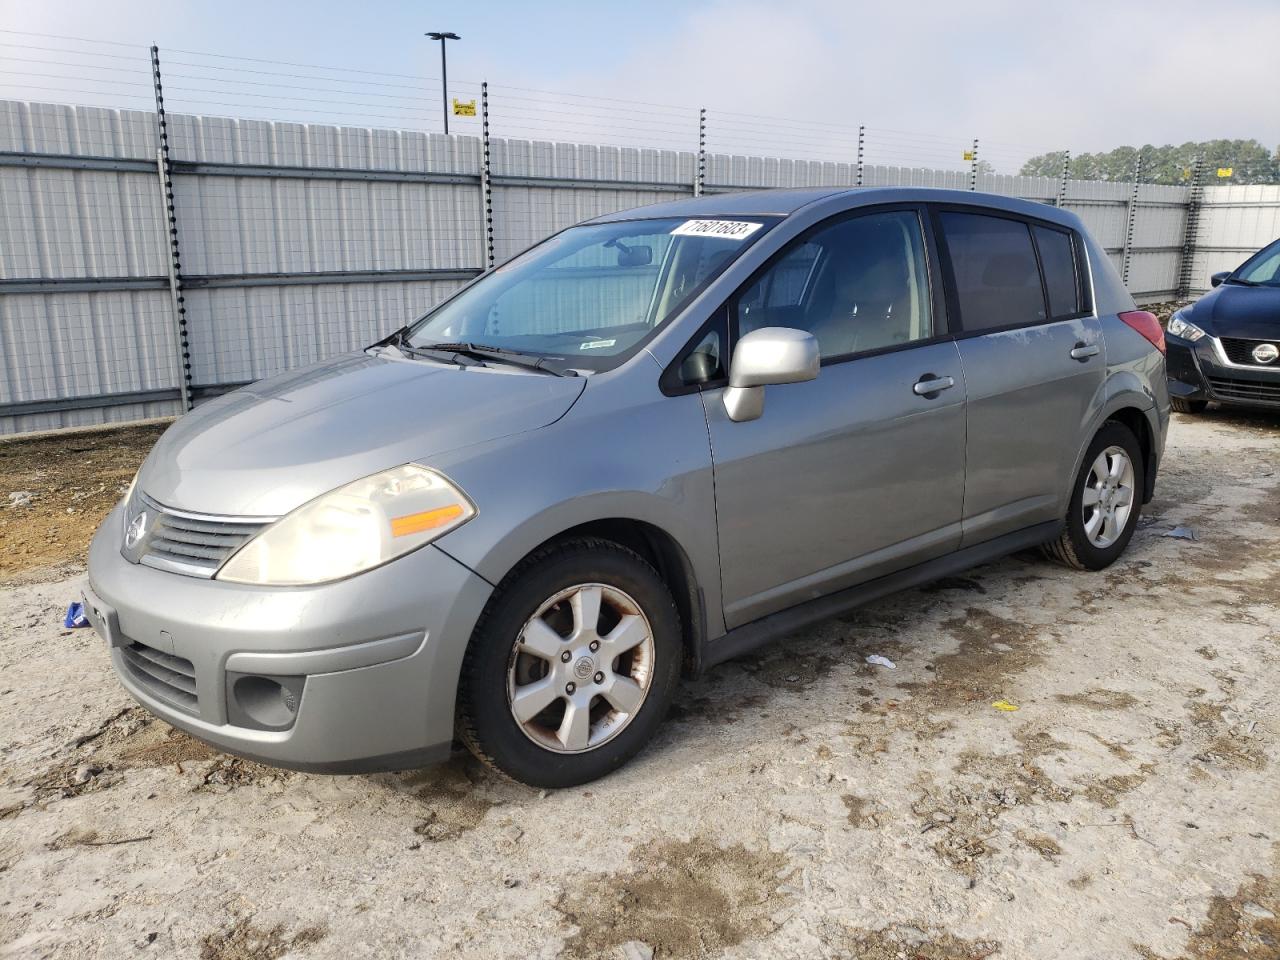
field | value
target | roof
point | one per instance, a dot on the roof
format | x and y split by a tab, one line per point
785	202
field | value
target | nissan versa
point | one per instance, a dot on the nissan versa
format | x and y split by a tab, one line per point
1226	346
646	445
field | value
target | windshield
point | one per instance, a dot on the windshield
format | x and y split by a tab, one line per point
1262	268
591	295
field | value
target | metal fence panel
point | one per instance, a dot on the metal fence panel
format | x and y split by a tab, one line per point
299	241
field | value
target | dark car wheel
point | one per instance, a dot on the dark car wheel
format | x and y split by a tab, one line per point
1188	406
1105	502
572	666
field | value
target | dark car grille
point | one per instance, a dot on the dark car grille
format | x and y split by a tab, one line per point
1246	391
194	545
164	676
1241	351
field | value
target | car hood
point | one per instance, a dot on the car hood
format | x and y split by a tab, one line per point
1230	310
272	446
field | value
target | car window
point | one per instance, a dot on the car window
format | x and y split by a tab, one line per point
859	284
593	294
1058	261
1266	269
997	280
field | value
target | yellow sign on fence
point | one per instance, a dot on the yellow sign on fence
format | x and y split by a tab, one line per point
461	109
1225	171
968	155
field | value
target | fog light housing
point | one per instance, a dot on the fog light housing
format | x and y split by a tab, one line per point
263	702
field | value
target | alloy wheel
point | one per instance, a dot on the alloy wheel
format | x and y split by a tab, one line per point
580	668
1108	497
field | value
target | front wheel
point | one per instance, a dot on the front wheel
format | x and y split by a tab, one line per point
1105	502
572	666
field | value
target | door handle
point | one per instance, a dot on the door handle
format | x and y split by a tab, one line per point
929	384
1083	351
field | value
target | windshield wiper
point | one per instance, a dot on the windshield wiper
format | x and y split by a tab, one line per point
513	357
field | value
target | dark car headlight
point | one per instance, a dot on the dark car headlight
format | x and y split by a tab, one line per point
1179	326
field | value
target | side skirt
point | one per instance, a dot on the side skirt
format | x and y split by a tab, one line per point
751	636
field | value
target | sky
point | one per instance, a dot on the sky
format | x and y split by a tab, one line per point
924	77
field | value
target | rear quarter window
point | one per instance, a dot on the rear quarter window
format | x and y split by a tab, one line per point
997	278
1061	276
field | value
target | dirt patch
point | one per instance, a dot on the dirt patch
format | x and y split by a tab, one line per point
1047	847
903	942
862	812
134	739
964	812
1244	926
452	801
74	481
1099	699
1224	744
1107	791
992	651
684	899
244	941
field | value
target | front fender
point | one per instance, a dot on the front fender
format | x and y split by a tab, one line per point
647	460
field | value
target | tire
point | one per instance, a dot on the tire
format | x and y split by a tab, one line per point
1188	406
1078	548
543	605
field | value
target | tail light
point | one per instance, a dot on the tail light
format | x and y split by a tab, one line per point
1147	325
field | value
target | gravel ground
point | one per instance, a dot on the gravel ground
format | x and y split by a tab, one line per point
800	803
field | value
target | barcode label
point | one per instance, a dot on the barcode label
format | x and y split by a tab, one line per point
726	229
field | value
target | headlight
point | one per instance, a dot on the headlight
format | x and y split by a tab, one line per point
351	529
1181	328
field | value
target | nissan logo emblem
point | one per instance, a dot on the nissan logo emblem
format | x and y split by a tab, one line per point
1266	352
137	530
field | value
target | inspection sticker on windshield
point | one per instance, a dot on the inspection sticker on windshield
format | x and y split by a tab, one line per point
726	229
597	344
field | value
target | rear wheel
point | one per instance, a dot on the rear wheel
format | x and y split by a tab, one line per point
1188	406
572	666
1106	501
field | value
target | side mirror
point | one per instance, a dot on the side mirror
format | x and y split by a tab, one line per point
1217	278
770	355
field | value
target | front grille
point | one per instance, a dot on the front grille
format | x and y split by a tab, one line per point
1241	351
164	676
192	544
1246	391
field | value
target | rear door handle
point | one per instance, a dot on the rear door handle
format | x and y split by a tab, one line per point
929	384
1083	351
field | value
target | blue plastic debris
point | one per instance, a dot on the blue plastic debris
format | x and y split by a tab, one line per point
75	617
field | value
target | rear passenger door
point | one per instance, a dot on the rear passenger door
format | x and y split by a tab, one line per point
1032	358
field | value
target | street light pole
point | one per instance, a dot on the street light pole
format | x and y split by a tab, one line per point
444	71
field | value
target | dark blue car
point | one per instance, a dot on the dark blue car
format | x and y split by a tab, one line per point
1225	347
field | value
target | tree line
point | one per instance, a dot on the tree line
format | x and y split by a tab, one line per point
1248	160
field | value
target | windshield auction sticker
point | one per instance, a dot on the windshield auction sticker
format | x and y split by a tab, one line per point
725	229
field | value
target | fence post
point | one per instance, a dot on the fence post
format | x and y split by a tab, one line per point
165	170
1127	256
486	178
973	168
1190	231
700	178
1061	200
862	142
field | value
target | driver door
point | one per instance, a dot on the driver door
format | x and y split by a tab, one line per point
861	471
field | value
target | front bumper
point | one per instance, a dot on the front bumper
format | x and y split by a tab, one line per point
376	656
1200	371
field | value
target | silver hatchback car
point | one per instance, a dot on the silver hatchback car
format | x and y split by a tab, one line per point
648	444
